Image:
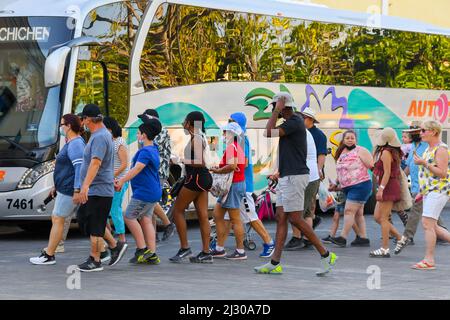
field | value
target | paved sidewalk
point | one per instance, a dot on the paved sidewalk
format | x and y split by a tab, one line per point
223	279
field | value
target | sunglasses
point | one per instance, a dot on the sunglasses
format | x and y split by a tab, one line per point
63	124
424	130
231	120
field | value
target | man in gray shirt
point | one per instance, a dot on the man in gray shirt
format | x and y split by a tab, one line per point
97	190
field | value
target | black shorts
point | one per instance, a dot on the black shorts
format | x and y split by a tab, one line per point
93	215
198	179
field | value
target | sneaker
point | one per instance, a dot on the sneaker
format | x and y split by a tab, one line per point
202	258
269	268
307	243
327	239
294	244
268	250
137	254
401	244
236	256
218	254
43	259
327	263
316	221
380	253
90	266
360	242
117	253
105	256
148	257
168	231
181	254
339	241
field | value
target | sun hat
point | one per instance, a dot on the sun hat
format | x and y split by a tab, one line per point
414	127
388	136
233	127
310	113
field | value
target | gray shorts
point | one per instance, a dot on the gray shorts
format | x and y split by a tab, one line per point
137	208
291	192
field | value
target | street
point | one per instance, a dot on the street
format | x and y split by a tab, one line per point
354	277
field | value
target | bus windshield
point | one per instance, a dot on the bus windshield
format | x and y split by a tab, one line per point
29	112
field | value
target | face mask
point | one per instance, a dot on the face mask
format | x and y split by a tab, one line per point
140	143
62	132
351	147
85	128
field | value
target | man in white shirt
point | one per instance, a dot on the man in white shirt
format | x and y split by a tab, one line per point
297	242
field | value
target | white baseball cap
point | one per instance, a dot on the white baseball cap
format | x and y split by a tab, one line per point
308	112
233	127
288	98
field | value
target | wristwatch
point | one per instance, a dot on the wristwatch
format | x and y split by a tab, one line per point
76	190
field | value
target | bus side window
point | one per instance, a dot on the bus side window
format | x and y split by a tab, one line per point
89	86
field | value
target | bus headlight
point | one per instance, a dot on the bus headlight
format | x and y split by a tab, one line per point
34	174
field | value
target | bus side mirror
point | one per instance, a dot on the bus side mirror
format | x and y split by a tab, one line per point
56	60
54	67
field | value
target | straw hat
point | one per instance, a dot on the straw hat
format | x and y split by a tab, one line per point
388	136
414	127
310	113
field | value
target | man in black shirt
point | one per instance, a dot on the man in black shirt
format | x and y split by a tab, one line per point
293	177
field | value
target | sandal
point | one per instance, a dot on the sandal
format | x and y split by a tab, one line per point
380	253
423	265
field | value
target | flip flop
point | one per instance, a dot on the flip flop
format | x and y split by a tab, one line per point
423	265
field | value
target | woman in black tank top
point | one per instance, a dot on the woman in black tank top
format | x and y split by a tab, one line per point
195	189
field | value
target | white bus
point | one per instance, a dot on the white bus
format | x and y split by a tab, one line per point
356	70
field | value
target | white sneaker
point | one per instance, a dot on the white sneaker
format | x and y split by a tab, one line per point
43	259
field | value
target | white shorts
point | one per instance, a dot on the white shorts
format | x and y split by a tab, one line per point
248	210
291	192
433	204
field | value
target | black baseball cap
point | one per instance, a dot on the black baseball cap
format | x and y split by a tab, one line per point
149	114
91	110
152	112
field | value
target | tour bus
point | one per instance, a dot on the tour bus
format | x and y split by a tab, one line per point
357	71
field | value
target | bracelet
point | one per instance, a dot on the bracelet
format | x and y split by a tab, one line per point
381	187
76	190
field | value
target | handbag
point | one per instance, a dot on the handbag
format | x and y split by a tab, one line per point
406	201
176	188
221	184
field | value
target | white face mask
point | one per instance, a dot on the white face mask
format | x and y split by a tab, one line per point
62	132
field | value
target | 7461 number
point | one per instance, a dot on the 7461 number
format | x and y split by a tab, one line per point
23	204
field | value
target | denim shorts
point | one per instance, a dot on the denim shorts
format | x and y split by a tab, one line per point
359	193
234	197
137	208
64	206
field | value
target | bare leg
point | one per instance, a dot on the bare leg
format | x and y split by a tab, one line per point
112	243
349	217
259	228
201	205
149	232
97	245
335	224
360	223
159	212
136	230
429	227
281	234
185	197
56	234
239	232
221	228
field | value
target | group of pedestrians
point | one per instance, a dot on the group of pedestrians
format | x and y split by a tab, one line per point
91	178
427	164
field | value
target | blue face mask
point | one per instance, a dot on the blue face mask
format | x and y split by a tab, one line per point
62	132
85	128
